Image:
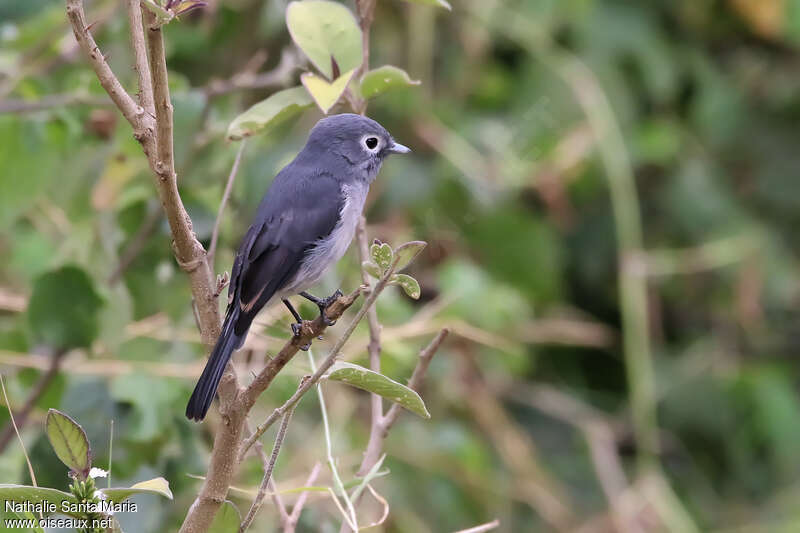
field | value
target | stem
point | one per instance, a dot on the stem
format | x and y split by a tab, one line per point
262	490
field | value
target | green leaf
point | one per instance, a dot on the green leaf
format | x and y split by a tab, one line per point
36	495
372	269
323	30
326	94
436	3
409	285
159	486
69	441
406	253
270	112
384	79
64	309
227	519
365	379
381	254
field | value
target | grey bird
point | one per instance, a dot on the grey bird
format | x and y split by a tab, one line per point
303	226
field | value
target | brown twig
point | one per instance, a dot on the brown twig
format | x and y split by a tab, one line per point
155	136
52	101
37	391
212	247
374	346
262	489
274	494
290	525
234	405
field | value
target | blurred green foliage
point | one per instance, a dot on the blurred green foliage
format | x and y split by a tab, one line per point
507	187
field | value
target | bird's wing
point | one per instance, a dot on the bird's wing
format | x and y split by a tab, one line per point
274	247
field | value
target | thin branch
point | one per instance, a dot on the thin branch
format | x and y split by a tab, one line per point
349	516
38	390
279	76
417	376
380	428
51	101
274	494
374	346
212	247
225	454
262	490
140	56
297	509
306	384
133	112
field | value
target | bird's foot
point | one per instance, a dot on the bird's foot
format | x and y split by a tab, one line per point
297	329
323	305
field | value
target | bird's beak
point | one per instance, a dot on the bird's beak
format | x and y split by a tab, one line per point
397	148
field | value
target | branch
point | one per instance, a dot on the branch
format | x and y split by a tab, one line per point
38	390
57	101
235	403
274	494
140	57
414	383
155	136
374	346
212	247
132	112
262	490
290	524
309	382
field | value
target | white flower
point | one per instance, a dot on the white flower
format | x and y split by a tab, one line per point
97	472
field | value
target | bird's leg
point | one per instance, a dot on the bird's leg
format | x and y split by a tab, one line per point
322	304
296	326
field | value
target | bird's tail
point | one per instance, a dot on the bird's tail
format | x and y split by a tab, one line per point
206	387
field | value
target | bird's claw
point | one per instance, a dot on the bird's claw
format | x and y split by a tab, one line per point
297	328
324	303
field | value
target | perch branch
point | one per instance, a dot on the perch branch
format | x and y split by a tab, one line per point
307	383
225	455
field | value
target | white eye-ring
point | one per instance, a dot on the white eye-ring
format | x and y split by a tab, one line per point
371	143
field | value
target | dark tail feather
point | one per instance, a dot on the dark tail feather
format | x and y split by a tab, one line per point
206	387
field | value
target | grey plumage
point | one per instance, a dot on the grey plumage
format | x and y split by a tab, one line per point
304	224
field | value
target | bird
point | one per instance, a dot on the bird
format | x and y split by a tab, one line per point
303	225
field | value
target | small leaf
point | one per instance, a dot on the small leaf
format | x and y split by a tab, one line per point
69	441
365	379
407	252
64	309
270	112
436	3
227	519
372	269
409	285
159	486
384	79
326	94
323	30
35	495
382	255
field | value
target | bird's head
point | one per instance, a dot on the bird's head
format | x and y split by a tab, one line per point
360	141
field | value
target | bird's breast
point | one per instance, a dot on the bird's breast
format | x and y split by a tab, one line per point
330	249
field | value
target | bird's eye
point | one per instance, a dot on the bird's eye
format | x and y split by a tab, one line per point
371	142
